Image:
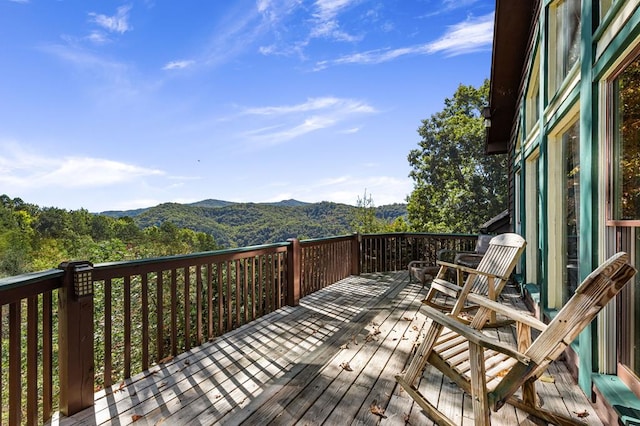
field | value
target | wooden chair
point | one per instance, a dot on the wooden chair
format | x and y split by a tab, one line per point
492	371
488	279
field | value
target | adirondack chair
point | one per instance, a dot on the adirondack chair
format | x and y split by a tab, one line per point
492	371
488	279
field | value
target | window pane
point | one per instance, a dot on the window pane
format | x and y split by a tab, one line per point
571	154
567	35
626	149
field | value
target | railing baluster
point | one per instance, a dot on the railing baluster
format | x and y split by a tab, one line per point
15	358
253	288
260	286
159	316
145	321
108	360
245	289
127	326
187	309
239	294
229	302
220	301
199	304
47	357
32	360
210	300
174	312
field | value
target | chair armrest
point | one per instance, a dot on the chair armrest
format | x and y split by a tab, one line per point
473	335
418	263
507	311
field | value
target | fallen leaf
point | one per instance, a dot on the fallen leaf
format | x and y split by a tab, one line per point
581	414
346	367
407	319
165	359
503	373
136	417
376	409
187	362
547	379
345	346
415	328
120	388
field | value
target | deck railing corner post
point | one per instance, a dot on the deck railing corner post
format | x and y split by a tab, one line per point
356	253
76	337
294	272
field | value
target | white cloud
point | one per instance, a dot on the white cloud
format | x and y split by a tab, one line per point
20	168
466	37
98	37
176	65
326	24
327	10
118	23
293	121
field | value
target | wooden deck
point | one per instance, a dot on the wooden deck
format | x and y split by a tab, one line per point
331	360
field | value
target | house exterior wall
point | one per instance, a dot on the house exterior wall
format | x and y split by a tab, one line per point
568	125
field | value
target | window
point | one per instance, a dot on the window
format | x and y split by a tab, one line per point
563	211
625	162
533	96
605	5
565	32
532	218
571	207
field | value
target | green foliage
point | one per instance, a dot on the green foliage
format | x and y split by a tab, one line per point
457	187
33	238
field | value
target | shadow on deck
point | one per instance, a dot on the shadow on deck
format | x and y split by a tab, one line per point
331	360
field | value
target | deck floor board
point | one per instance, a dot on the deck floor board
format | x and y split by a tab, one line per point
331	360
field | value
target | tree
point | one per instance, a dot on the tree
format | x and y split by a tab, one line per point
457	186
364	216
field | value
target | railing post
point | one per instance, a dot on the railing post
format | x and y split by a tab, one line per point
294	270
76	338
355	254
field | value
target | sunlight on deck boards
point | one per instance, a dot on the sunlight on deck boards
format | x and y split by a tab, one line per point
331	360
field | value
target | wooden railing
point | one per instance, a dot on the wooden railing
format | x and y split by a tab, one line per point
140	313
392	252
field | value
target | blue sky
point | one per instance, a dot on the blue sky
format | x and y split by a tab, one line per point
110	105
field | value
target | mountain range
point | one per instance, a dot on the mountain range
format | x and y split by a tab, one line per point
245	224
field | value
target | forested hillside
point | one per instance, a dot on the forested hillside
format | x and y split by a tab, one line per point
246	224
35	238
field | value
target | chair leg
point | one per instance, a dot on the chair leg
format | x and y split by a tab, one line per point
481	413
546	415
433	413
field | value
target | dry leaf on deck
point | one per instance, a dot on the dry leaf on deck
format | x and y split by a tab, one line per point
120	388
136	417
345	346
581	414
376	409
547	379
165	359
407	319
346	367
